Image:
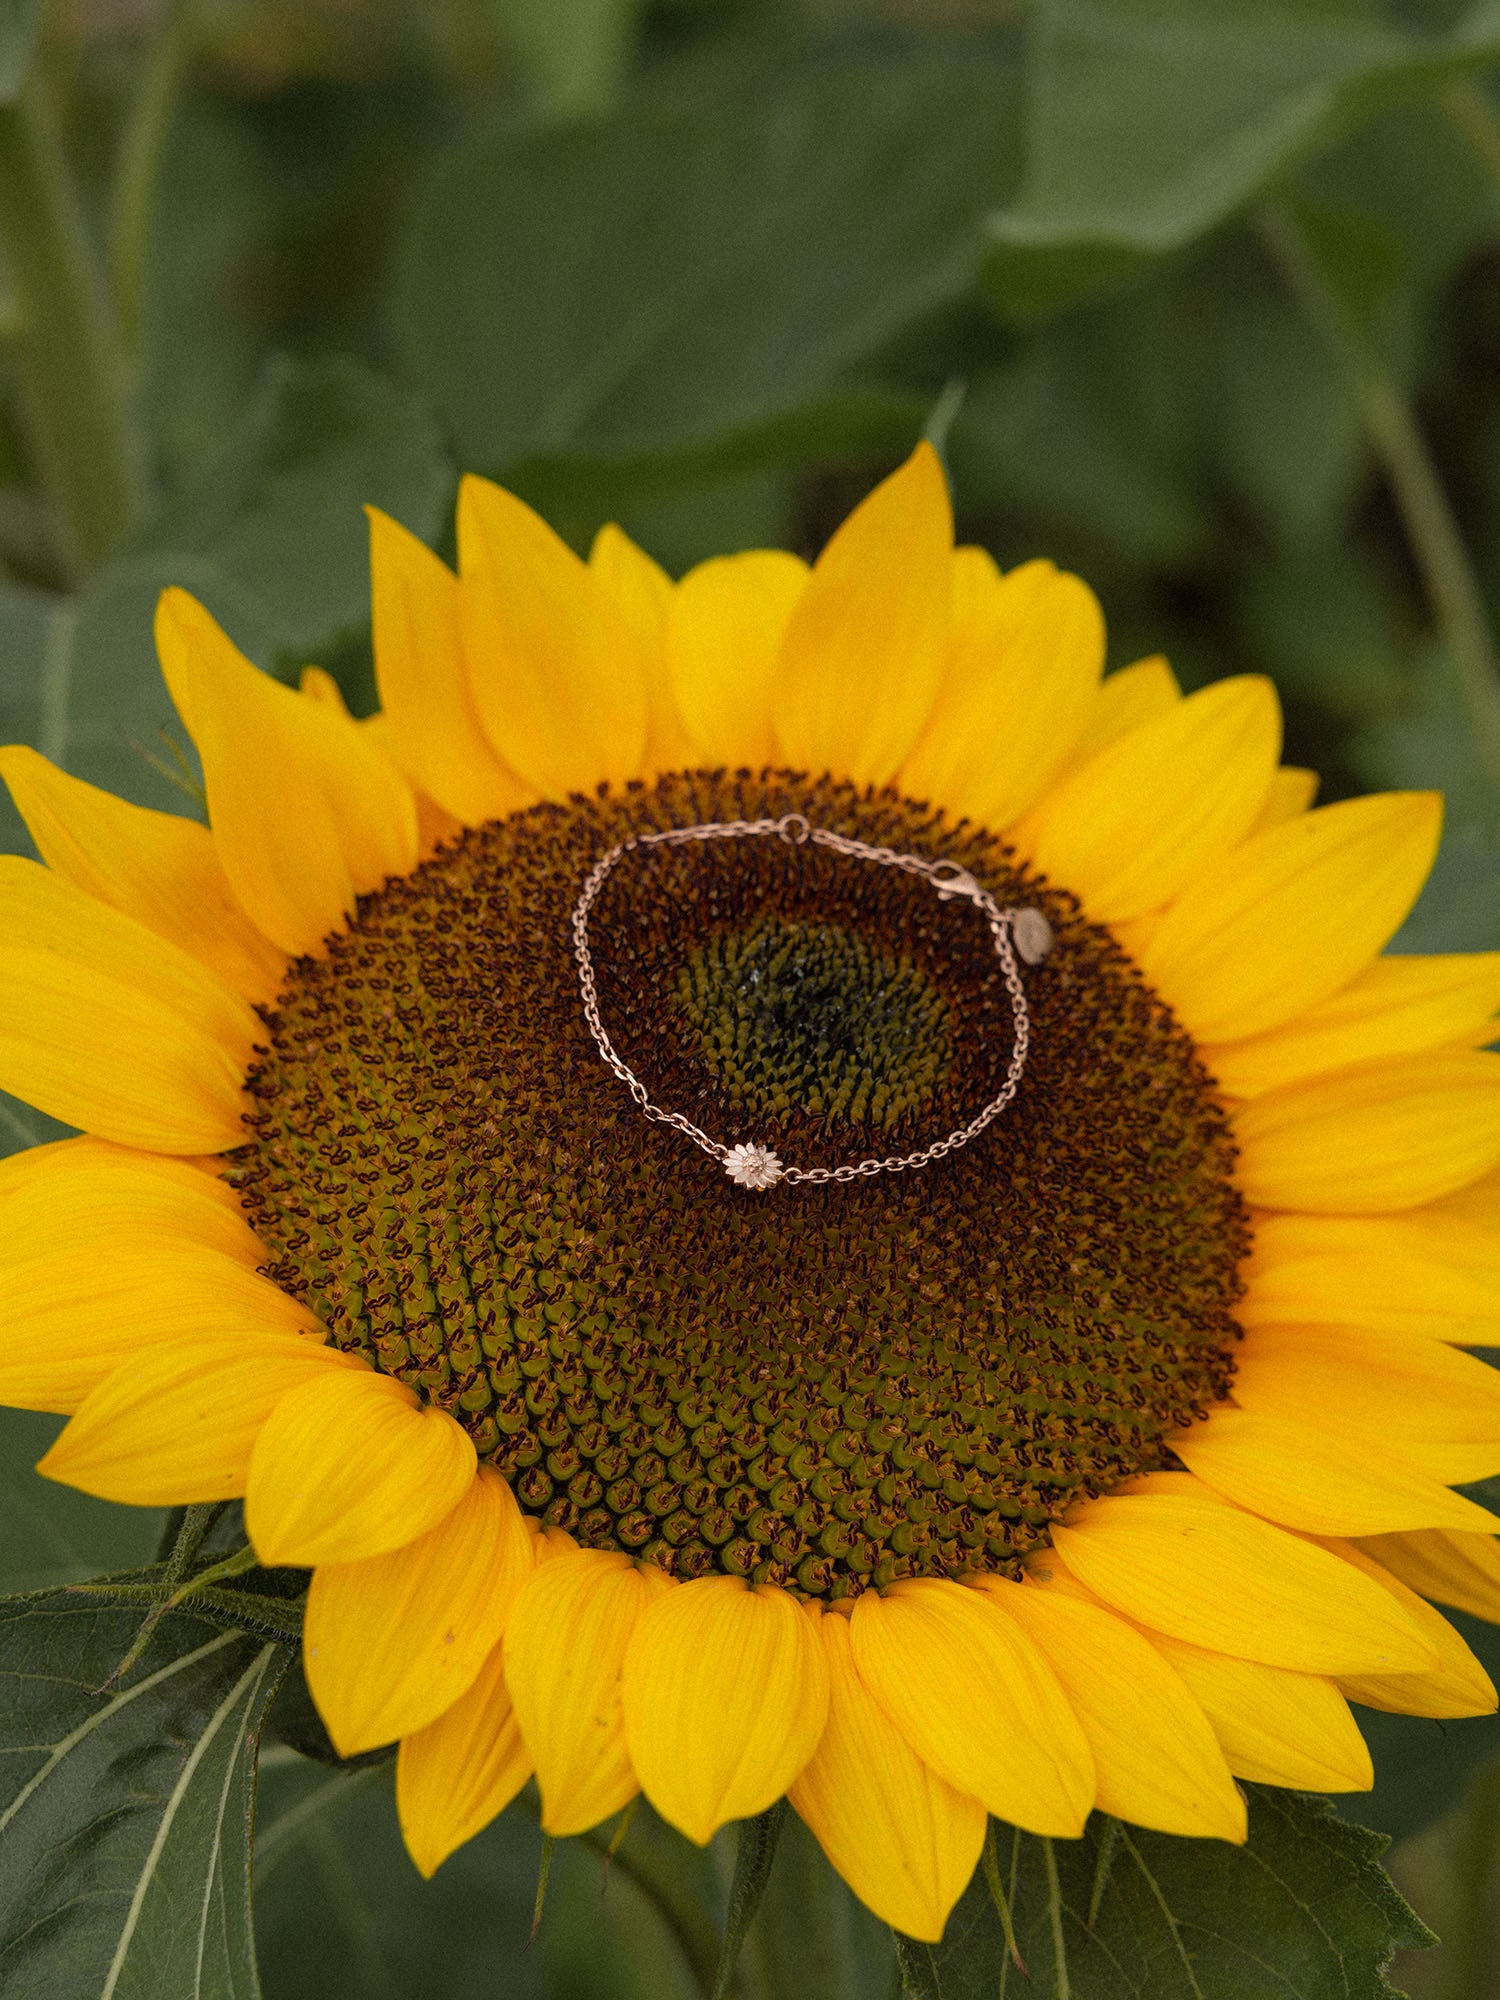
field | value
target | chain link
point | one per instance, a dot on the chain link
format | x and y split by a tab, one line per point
947	878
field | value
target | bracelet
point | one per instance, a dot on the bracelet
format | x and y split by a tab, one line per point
1022	932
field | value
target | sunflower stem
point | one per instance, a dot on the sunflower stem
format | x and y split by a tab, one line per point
1474	115
138	163
1109	1840
65	349
1431	528
186	1530
543	1877
278	1618
1054	1919
758	1840
999	1897
184	1534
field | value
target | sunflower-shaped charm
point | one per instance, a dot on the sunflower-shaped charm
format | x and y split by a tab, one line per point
1100	1458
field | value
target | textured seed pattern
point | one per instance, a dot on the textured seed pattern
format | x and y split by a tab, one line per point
823	1387
809	1017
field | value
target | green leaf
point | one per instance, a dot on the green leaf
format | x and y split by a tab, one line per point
1090	428
1150	122
1422	1767
1327	622
1303	1912
125	1815
1287	438
340	1910
210	284
34	644
51	1534
274	542
682	287
19	22
576	52
281	510
1412	172
1429	743
22	1126
811	1934
83	684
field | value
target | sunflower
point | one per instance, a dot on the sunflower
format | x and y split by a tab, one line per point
1100	1461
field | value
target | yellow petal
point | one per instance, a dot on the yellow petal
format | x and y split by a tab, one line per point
85	1191
392	1641
637	582
21	1171
555	668
40	912
1275	1727
435	824
724	635
262	745
1127	830
1318	1480
865	647
107	1025
1382	1384
68	1321
1293	914
726	1696
975	1698
1452	1463
1457	1686
435	731
1176	1486
1478	1204
350	1466
564	1649
1386	1294
1457	1569
1427	1273
1022	675
175	1425
1123	701
1158	1761
1292	792
1395	1007
163	871
643	594
904	1841
319	685
454	1776
1386	1137
976	578
1205	1572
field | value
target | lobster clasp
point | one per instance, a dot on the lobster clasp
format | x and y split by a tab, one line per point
954	881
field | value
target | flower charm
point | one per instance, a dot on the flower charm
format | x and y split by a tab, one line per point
753	1166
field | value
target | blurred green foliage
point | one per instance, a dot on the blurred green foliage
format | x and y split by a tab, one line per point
1214	286
706	265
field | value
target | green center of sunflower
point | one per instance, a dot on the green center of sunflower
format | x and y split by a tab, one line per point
822	1386
815	1017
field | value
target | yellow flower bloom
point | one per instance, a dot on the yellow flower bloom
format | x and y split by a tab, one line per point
1097	1463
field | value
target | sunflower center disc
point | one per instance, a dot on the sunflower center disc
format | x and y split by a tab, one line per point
823	1387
